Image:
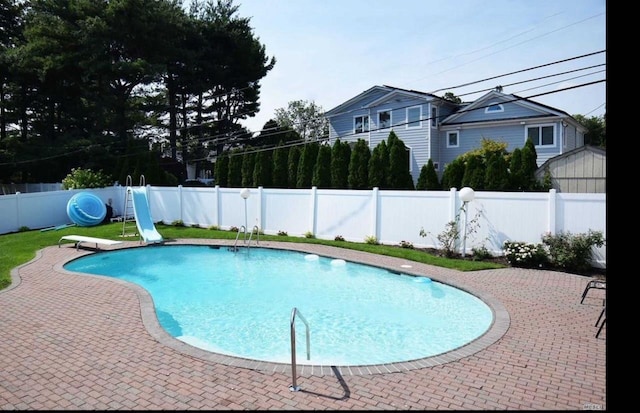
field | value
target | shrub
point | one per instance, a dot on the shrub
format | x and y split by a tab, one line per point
522	254
234	229
178	223
339	238
85	178
406	244
214	227
572	252
282	233
371	239
481	253
309	234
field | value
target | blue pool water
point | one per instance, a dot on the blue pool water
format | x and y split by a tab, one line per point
240	304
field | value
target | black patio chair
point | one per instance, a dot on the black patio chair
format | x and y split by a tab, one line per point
597	284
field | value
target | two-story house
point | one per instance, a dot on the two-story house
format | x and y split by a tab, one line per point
438	129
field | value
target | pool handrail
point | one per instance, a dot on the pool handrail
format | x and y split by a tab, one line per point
294	386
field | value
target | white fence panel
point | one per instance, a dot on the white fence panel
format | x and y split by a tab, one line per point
502	216
346	213
579	213
199	206
402	214
286	210
9	213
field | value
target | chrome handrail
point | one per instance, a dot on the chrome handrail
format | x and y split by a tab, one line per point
242	229
294	373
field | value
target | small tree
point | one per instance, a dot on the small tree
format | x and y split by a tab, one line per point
359	166
529	166
428	179
292	166
340	157
221	172
307	161
497	175
280	175
399	176
322	168
248	164
453	173
474	172
263	169
377	176
234	178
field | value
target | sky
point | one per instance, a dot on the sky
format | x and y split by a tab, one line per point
329	51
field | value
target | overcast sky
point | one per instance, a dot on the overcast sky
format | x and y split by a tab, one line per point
329	51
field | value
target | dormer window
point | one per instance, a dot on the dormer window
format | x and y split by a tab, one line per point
384	119
361	124
494	108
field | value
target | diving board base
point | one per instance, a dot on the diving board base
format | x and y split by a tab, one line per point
79	239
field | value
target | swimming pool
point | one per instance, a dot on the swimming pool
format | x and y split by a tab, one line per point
239	304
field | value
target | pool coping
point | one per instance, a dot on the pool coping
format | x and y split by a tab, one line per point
497	329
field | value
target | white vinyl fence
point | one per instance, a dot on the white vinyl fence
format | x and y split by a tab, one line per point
388	215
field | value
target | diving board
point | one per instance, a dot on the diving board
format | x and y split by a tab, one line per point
79	239
142	213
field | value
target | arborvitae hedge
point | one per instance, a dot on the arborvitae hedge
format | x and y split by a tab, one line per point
292	166
359	166
340	158
322	168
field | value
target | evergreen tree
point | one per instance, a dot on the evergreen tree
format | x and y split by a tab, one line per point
307	162
428	179
516	183
359	166
234	178
377	176
248	164
497	174
280	174
474	172
340	158
399	175
453	174
322	168
221	173
292	166
263	169
529	166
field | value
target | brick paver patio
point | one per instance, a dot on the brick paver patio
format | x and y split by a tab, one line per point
86	342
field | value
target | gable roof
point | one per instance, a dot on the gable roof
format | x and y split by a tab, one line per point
495	96
389	92
591	148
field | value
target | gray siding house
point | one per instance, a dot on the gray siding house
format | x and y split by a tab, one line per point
441	130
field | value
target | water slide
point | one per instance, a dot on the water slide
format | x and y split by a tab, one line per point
146	227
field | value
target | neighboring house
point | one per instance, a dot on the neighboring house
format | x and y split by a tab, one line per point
581	170
437	129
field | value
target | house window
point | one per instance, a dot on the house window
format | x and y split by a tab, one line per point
493	108
384	119
361	124
436	166
434	117
413	117
541	135
452	140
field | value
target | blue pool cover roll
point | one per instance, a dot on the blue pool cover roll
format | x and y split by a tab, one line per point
86	210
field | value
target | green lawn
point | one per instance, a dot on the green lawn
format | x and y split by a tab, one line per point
20	247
